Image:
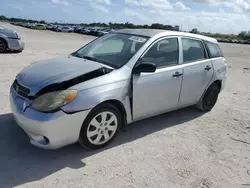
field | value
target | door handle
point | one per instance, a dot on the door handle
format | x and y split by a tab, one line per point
207	68
177	74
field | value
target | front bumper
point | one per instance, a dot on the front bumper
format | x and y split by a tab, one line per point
15	44
47	130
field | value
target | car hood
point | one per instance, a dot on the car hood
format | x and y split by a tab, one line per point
43	73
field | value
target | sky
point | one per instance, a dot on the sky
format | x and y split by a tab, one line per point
224	16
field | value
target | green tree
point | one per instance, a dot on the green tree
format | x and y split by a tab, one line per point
3	17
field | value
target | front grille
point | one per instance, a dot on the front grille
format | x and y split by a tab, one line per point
22	91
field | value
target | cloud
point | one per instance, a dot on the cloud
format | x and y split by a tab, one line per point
107	2
134	13
221	21
231	16
177	13
179	5
99	7
62	2
236	5
151	4
159	6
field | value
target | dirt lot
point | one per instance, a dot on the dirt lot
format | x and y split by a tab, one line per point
184	148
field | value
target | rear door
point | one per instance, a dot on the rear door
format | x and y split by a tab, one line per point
219	62
197	71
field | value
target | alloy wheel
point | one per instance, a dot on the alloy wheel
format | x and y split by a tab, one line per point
102	128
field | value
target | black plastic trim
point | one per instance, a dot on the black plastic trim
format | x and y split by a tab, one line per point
74	81
69	113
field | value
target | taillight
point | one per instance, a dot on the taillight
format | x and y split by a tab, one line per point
17	35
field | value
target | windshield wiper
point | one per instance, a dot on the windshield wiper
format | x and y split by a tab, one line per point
90	58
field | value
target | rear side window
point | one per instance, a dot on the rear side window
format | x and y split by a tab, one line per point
193	50
213	49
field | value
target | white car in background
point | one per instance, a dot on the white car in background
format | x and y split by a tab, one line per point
105	31
65	29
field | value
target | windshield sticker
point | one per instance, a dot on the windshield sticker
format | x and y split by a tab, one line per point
137	39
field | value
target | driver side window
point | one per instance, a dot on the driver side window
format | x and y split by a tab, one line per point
163	53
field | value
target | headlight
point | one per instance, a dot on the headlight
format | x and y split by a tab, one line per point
53	101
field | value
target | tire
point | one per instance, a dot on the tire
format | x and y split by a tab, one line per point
3	46
18	51
97	133
209	99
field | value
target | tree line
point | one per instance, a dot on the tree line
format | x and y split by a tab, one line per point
244	35
98	24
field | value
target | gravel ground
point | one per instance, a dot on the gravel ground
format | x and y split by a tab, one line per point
184	148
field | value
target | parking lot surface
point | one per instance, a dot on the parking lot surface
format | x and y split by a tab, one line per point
185	148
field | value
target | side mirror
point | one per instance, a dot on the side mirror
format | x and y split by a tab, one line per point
144	67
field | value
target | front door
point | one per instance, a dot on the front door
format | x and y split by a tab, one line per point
198	71
157	92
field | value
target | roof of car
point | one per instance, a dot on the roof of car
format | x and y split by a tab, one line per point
153	32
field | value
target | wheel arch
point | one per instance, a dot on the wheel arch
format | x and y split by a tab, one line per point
217	82
118	104
199	105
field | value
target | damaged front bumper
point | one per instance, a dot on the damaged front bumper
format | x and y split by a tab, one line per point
47	130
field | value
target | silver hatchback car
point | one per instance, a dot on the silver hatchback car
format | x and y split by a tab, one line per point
10	40
122	77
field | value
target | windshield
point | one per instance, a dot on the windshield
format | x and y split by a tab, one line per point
114	50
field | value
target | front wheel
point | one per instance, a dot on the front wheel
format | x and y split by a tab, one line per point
209	99
100	127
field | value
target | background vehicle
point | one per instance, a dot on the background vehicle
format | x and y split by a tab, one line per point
55	27
40	27
104	31
9	40
85	30
78	29
64	29
89	30
94	31
49	26
117	79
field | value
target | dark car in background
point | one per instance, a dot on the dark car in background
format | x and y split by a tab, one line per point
78	29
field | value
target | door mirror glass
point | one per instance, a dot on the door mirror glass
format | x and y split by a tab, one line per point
145	67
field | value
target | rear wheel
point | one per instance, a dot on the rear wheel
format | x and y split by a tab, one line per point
3	46
209	99
100	127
